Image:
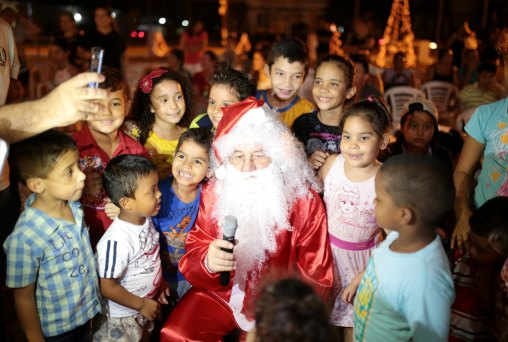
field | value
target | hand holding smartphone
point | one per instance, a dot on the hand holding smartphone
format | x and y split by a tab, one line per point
96	63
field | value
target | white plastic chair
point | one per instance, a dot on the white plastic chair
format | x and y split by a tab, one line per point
396	97
441	93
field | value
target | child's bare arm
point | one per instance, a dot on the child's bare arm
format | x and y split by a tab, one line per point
325	168
111	289
350	291
24	300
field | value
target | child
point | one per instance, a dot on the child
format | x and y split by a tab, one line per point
98	142
486	90
63	68
290	310
349	192
332	90
477	304
50	263
180	202
407	289
228	86
286	67
419	133
128	253
161	110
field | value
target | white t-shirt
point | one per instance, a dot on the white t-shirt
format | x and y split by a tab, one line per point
130	253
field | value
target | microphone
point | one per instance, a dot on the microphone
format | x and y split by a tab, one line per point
229	229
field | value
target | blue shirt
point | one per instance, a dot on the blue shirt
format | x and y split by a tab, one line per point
57	256
489	126
404	296
174	221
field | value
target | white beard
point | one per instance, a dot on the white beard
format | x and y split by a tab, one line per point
259	201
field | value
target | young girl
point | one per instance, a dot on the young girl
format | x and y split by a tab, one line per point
180	203
161	110
332	90
349	195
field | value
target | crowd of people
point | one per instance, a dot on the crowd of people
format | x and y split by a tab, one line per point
119	214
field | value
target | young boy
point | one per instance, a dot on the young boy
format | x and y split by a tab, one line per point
228	86
407	289
128	253
485	90
50	263
98	142
286	67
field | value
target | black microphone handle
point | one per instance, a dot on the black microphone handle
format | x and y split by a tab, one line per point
224	276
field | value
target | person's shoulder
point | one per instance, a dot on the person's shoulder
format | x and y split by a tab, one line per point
130	141
304	118
118	231
495	106
201	121
305	104
33	227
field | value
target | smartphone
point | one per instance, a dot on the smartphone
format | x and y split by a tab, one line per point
96	63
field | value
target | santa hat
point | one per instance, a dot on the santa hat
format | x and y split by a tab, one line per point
247	112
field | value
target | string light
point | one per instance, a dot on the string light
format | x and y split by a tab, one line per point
398	35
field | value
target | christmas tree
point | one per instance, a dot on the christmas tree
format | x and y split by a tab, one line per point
398	36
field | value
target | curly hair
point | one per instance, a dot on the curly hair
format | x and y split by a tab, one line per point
140	110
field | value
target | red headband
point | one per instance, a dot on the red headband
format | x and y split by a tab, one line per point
146	84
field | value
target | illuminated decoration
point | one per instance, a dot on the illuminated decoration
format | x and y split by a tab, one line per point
398	36
223	12
335	41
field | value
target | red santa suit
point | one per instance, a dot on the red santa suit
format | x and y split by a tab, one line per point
206	312
209	310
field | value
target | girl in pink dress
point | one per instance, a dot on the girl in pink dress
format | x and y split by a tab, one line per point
349	195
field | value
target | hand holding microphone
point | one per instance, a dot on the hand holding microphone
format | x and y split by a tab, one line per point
229	230
219	258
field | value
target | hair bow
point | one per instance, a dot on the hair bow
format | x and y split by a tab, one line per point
146	82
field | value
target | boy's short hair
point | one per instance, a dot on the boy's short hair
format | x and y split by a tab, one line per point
294	49
487	66
422	183
37	156
120	178
114	81
490	221
238	81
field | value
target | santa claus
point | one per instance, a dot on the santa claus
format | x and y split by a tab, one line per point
263	179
